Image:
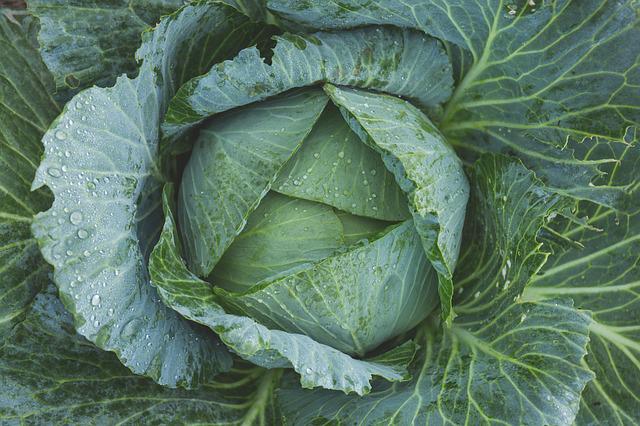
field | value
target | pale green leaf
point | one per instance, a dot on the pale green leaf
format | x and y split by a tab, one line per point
352	301
334	167
233	164
283	234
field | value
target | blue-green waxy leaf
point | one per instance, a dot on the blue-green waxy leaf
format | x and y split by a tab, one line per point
404	63
334	167
23	121
603	276
502	361
86	42
548	81
233	164
352	301
101	164
51	375
317	364
282	234
424	166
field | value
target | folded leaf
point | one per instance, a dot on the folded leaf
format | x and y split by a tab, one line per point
334	167
404	63
233	164
424	166
352	301
282	235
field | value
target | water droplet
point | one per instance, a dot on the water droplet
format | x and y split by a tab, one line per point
95	300
373	172
110	311
82	234
61	135
316	155
475	296
54	172
341	154
75	218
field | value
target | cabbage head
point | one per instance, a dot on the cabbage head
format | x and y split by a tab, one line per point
306	212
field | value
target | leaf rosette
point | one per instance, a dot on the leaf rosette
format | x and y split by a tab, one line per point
362	211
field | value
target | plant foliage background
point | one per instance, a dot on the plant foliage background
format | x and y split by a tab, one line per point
104	313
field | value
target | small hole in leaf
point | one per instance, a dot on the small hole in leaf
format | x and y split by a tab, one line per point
72	81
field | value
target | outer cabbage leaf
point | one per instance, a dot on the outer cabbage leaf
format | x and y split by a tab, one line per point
424	166
26	110
317	364
101	164
50	374
502	361
548	81
603	276
86	42
401	62
233	164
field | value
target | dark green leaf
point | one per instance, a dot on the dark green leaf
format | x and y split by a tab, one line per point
548	81
604	278
26	110
502	361
51	375
87	42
